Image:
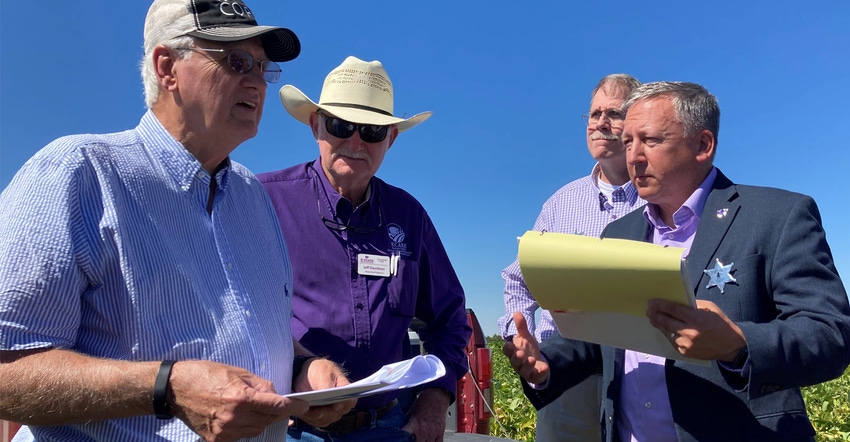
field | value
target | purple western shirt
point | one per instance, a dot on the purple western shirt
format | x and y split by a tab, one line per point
645	413
361	321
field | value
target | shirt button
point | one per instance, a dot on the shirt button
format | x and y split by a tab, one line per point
263	367
200	174
648	405
613	216
669	236
646	356
359	306
229	266
248	313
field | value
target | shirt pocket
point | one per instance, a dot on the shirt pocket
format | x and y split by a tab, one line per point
403	288
746	298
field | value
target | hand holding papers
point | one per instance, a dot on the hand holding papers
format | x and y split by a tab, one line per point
597	290
405	374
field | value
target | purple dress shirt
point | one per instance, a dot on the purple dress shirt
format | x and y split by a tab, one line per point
361	321
645	413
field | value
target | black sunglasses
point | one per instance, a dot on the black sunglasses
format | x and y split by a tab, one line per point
336	225
242	62
340	128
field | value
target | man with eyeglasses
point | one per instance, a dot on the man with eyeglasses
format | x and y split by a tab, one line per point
584	207
145	287
366	258
771	313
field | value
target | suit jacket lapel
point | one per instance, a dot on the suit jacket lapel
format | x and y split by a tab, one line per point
717	216
633	226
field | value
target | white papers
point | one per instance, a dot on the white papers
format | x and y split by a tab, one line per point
415	371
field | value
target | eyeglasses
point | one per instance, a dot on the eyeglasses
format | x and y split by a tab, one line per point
242	62
340	128
335	225
614	116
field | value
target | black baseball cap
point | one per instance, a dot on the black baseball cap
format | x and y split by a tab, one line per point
224	20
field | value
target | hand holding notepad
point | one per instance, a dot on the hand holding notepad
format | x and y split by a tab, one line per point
597	290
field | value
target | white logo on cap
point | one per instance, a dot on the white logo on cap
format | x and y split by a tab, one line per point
235	8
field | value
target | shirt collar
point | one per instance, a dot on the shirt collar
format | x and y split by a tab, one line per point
340	205
178	162
631	193
692	207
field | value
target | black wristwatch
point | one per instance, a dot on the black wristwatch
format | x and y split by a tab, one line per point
161	407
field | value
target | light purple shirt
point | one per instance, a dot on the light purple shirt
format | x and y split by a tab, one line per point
360	321
645	413
578	208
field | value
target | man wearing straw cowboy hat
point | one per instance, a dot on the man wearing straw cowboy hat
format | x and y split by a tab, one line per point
366	257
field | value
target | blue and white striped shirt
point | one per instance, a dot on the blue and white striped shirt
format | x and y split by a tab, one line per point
107	249
577	208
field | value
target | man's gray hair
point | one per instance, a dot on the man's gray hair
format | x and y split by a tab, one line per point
695	107
161	28
616	85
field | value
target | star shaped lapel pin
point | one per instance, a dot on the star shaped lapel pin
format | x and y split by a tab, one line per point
719	276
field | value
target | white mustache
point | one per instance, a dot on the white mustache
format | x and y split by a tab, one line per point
351	154
604	136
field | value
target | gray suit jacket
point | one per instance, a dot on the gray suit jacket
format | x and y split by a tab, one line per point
788	300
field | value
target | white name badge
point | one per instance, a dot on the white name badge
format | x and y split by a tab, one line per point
373	265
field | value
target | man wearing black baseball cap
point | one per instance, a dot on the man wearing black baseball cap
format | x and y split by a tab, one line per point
145	287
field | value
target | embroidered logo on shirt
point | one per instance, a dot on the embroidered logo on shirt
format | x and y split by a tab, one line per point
396	234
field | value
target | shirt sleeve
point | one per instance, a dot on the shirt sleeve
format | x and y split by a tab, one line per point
43	249
808	295
441	305
517	298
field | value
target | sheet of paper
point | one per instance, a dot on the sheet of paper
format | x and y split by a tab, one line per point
617	330
415	371
597	290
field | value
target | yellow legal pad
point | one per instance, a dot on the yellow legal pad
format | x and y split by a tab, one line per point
597	289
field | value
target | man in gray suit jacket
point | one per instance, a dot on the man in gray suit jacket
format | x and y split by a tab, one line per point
772	314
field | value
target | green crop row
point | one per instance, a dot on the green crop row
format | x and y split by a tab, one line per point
828	404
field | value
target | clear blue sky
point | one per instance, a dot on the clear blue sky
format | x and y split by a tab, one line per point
507	82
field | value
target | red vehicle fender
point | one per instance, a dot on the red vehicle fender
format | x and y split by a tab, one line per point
475	388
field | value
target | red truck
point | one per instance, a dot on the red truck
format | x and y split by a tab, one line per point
468	419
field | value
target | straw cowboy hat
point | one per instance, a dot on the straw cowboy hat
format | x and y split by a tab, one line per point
355	91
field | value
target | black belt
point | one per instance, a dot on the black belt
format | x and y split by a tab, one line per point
353	420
